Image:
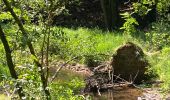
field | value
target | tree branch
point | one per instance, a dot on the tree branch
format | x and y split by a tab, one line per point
56	73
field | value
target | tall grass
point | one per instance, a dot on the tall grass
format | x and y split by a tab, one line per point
161	67
84	42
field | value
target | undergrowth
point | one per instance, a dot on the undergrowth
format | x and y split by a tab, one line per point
158	38
89	46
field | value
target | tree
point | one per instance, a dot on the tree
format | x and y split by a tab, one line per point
111	13
11	66
25	34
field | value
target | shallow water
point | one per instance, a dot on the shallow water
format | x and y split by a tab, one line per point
118	94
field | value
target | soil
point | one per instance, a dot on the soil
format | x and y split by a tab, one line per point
130	63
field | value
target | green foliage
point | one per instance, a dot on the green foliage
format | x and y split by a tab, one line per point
4	97
67	90
144	6
3	65
129	25
149	2
28	77
159	68
163	6
140	9
87	44
162	67
157	37
5	16
159	34
90	46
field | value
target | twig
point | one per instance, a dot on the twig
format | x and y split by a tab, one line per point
116	77
135	76
130	79
122	79
56	73
98	91
128	9
110	78
98	67
126	2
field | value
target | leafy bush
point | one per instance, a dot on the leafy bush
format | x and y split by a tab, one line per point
163	6
163	68
159	34
67	90
160	66
129	25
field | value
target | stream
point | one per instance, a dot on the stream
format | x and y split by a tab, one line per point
119	94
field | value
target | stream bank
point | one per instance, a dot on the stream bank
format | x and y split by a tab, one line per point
117	79
115	93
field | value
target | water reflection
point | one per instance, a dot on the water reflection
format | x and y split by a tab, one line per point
119	94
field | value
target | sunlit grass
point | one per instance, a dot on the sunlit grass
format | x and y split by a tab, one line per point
103	39
4	97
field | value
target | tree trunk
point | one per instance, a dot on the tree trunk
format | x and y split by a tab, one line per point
111	14
10	62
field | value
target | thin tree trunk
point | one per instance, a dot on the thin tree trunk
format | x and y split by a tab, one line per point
114	13
42	48
48	28
47	54
24	32
110	11
10	62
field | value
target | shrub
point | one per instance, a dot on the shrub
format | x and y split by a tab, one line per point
159	34
160	66
67	90
163	68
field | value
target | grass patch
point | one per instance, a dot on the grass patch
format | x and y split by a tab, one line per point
4	97
92	45
160	65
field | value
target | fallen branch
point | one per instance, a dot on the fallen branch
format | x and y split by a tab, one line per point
118	77
56	73
135	76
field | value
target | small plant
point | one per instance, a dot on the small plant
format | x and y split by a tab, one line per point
67	90
129	25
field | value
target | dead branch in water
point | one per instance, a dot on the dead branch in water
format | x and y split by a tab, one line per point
56	73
